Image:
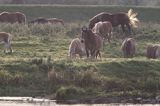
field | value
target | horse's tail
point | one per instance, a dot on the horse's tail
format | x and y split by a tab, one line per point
132	17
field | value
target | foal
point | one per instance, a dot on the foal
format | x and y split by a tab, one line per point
76	47
6	38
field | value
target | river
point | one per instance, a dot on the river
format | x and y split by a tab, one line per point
29	101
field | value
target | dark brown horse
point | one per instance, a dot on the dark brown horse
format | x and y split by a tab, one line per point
12	17
93	42
124	19
39	20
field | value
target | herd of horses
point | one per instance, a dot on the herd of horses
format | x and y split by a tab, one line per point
92	38
100	28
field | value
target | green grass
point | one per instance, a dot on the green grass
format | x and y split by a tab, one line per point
39	65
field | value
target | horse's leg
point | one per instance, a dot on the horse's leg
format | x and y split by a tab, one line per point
109	37
5	47
98	53
93	53
130	29
87	53
103	44
10	48
123	28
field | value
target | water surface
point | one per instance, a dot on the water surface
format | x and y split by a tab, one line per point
29	101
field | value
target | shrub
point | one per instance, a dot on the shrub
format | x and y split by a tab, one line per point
69	93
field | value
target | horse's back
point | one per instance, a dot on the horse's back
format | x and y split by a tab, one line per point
56	20
21	17
128	47
76	47
40	20
4	16
103	16
119	18
153	51
107	26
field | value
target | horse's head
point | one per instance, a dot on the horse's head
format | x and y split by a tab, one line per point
86	32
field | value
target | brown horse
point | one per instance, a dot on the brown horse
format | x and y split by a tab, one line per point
124	19
6	38
93	42
12	17
42	20
104	29
153	51
128	47
76	47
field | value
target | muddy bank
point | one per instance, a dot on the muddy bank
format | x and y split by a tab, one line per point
108	100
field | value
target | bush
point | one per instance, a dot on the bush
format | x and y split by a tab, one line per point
69	93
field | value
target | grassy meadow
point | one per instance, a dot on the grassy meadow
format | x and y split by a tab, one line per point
39	65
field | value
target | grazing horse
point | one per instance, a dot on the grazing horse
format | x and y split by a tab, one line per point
42	20
104	29
124	19
56	20
6	38
39	20
76	47
128	47
12	17
153	51
93	42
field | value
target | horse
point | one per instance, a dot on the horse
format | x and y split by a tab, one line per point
56	20
42	20
124	19
128	47
12	17
76	47
153	51
93	42
6	38
39	20
104	29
